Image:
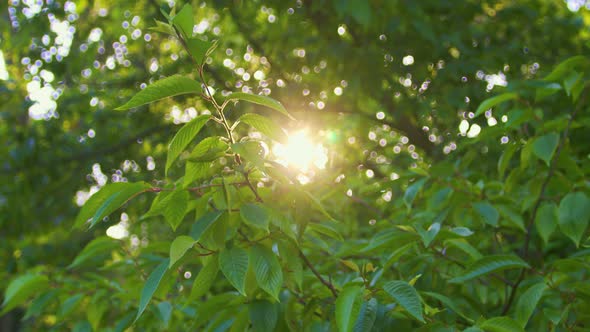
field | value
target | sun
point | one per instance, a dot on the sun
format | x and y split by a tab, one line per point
301	152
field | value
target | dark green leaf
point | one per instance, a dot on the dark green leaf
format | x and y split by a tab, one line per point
501	324
204	279
528	302
348	307
488	212
493	101
255	215
201	225
565	67
449	304
573	215
504	160
267	270
412	191
263	315
544	147
407	297
489	264
151	285
261	100
168	87
183	138
546	220
233	263
366	317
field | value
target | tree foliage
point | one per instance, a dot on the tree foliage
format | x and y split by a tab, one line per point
445	187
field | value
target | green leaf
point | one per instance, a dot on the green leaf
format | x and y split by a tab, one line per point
183	138
489	264
204	280
163	28
172	205
201	225
546	220
194	171
40	303
208	149
184	21
267	270
366	317
265	126
260	100
449	304
69	305
99	246
108	199
488	212
544	147
407	297
573	215
165	312
501	324
491	102
179	247
167	87
263	315
412	191
505	158
234	265
348	307
255	215
21	289
199	48
462	231
252	151
528	302
325	228
151	285
565	67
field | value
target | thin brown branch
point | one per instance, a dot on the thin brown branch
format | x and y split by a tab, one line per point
317	274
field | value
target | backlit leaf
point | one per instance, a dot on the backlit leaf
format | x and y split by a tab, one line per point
183	138
167	87
264	125
260	100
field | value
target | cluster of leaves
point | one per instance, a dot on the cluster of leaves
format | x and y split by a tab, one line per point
467	246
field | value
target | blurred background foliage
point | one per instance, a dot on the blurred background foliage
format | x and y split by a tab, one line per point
388	87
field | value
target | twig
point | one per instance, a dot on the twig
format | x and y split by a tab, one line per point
527	239
316	273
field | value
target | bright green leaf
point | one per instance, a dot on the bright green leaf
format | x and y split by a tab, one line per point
167	87
201	225
489	264
406	296
573	215
172	205
327	229
184	21
108	199
412	191
265	126
208	149
179	247
21	289
261	100
183	138
99	246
